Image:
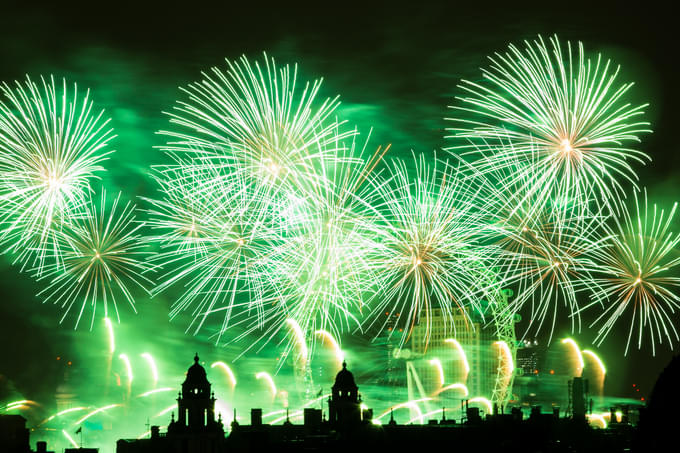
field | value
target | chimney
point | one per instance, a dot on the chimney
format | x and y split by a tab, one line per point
256	417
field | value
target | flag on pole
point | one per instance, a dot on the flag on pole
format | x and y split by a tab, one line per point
79	430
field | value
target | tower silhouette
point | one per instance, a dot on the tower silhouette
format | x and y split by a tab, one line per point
196	404
344	406
196	429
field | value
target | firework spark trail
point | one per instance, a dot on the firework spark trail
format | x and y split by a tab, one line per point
456	386
51	148
152	366
94	412
227	370
637	277
270	382
103	254
600	365
337	351
437	364
461	356
111	336
128	367
484	402
567	108
428	254
411	405
506	368
601	370
62	412
155	391
577	354
597	418
70	439
300	341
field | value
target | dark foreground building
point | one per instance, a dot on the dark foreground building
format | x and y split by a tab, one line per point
195	430
14	436
350	427
658	427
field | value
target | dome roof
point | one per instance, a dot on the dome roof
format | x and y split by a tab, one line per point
344	379
196	375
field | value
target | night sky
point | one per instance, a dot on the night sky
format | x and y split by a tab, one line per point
396	68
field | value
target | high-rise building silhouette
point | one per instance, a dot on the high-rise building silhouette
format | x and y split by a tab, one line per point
428	340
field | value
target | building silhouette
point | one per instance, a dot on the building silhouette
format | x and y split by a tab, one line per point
13	433
350	425
658	421
195	430
14	436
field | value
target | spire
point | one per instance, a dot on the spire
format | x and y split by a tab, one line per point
196	379
344	380
234	422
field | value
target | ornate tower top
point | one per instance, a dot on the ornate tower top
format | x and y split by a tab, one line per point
344	380
196	383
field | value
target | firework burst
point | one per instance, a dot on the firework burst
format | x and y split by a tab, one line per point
639	276
103	255
320	270
51	146
564	106
216	241
428	252
543	239
254	119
